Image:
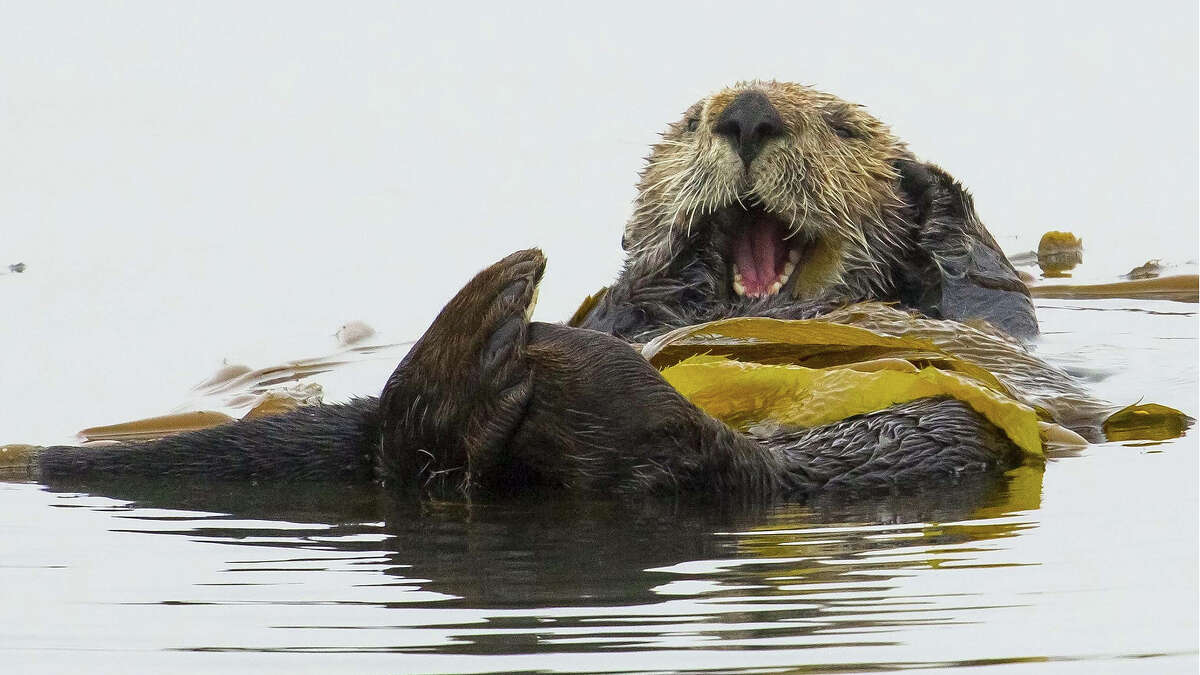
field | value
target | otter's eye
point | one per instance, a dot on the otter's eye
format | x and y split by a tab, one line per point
840	123
842	130
693	123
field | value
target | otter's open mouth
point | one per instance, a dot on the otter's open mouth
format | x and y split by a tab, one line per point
762	258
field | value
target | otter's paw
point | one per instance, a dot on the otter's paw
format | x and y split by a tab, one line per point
462	390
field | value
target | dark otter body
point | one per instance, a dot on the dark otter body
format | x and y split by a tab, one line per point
767	200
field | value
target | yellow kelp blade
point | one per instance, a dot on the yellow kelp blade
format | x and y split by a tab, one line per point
1180	288
745	394
808	342
155	427
15	460
589	303
1145	422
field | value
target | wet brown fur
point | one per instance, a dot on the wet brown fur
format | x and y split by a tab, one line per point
840	189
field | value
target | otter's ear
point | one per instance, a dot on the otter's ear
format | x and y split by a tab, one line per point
962	273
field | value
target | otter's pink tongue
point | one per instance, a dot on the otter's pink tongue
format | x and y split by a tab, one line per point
760	254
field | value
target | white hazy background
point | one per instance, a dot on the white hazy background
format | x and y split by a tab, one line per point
189	182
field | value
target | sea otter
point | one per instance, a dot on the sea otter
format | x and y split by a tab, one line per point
766	199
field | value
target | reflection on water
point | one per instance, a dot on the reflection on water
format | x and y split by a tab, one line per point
537	552
562	576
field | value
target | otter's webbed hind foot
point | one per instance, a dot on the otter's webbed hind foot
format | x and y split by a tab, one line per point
462	390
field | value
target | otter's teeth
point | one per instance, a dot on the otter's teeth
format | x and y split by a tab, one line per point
788	268
739	285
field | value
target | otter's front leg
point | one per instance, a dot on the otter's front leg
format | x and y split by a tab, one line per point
965	274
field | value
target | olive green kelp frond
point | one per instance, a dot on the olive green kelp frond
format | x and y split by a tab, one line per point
869	356
745	394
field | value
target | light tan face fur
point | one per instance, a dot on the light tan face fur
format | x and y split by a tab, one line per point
828	175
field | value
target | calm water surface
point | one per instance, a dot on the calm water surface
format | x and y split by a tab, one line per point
1089	566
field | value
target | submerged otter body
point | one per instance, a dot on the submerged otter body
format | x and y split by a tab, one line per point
767	199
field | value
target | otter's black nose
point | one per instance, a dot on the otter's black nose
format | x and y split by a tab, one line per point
749	121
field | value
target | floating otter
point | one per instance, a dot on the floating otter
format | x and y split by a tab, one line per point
766	199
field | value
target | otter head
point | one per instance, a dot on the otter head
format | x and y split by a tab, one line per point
779	187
